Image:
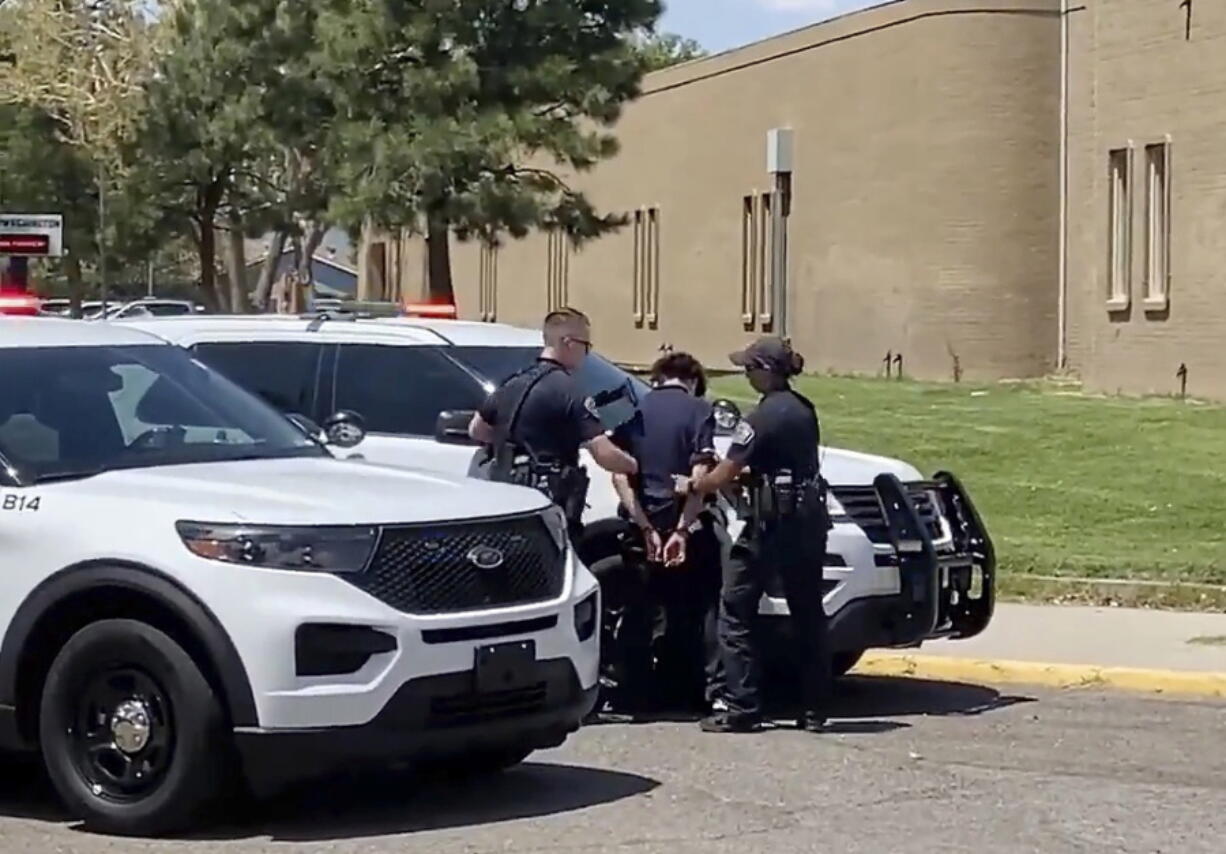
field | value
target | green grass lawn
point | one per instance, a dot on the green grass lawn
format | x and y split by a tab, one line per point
1068	484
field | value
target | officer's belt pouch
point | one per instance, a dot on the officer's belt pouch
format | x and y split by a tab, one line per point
565	486
785	499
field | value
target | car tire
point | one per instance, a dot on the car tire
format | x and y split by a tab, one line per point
133	736
601	539
844	661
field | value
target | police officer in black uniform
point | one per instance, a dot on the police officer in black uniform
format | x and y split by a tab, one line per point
785	531
537	420
672	566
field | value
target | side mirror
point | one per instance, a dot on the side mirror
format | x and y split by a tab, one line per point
345	429
306	425
727	415
451	428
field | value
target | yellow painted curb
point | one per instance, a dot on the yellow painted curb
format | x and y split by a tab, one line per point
1036	673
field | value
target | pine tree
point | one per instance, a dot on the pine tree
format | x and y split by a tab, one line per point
467	116
234	132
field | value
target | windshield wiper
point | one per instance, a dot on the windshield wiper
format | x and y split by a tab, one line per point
72	474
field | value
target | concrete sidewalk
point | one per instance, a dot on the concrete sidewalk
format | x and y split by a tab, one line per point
1154	651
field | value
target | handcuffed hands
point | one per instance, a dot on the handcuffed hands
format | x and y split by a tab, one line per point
674	549
653	543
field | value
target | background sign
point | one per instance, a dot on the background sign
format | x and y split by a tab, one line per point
32	235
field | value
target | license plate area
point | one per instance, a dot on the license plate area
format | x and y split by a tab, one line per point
504	666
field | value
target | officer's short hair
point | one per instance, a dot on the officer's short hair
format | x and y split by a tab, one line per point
562	322
680	366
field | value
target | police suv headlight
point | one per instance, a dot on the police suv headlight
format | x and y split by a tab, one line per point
555	521
311	549
834	507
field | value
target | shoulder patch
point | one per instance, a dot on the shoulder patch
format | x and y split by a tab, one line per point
590	406
743	434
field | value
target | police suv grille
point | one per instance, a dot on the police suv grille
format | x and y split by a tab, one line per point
865	510
426	569
470	709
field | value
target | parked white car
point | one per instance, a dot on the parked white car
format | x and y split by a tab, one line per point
908	559
190	578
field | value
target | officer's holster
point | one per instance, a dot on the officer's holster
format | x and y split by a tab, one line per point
564	485
783	497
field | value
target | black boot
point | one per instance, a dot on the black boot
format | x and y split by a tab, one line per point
812	722
731	722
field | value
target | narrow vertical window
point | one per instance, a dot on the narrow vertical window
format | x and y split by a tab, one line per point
749	243
557	269
488	283
766	299
645	296
637	282
1157	225
1118	241
653	267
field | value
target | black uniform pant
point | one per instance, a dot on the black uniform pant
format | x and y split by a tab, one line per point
665	649
795	549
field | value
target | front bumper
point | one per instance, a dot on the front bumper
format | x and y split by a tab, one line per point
430	717
946	591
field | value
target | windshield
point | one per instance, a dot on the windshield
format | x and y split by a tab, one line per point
598	378
77	411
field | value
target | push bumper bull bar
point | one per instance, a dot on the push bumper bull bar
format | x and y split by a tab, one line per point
947	590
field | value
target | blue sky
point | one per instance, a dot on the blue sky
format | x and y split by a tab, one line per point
721	24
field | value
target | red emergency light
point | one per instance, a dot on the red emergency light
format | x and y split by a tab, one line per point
19	303
25	244
437	310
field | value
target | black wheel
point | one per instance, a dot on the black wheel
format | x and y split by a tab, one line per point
601	539
845	661
132	734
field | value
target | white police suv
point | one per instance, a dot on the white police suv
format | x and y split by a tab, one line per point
193	586
908	559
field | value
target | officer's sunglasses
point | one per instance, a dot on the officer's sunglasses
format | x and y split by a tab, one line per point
587	345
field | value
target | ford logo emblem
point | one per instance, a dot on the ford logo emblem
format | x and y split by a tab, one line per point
485	557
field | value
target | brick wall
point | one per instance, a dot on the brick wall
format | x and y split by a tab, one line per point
1135	80
925	196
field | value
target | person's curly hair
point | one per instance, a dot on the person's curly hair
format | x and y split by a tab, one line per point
680	366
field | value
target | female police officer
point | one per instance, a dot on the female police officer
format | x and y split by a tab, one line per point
785	532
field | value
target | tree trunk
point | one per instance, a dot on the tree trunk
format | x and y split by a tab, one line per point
208	262
304	260
293	290
438	247
76	285
223	287
268	273
208	202
236	266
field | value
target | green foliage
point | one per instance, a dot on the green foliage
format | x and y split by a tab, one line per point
468	112
443	116
41	173
233	132
663	50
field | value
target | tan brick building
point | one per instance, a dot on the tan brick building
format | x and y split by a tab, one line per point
927	199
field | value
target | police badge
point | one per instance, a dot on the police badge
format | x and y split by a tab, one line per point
743	434
590	405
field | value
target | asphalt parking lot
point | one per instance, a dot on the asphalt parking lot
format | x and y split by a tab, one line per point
916	767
